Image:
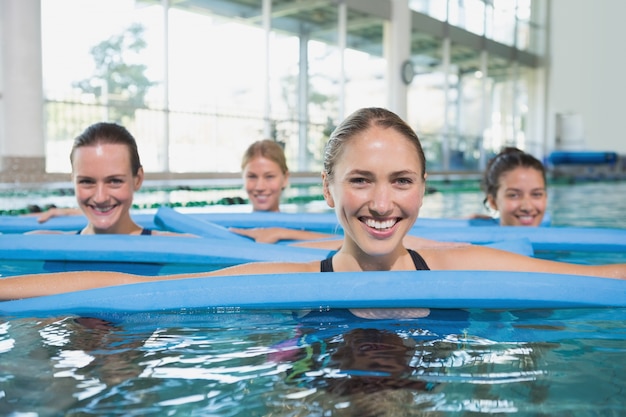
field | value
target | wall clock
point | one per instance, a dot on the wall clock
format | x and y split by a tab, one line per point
408	73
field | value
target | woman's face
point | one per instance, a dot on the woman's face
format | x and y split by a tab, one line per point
521	198
264	182
377	190
105	185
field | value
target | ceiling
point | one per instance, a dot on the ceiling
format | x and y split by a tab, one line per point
318	19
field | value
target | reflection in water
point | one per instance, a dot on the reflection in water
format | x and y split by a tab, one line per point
376	375
82	357
426	367
279	364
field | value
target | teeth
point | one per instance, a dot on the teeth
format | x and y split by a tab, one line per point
380	225
102	209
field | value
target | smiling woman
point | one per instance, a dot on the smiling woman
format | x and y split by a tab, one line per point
515	186
106	172
265	174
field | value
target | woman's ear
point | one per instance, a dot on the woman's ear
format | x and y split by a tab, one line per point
285	181
139	178
491	202
326	191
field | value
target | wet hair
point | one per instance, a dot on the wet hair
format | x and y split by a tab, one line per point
110	133
266	148
360	121
507	160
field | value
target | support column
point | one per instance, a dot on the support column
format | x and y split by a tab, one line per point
342	41
22	145
445	130
485	112
267	28
397	45
303	102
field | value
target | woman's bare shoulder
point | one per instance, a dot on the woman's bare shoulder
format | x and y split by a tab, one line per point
48	232
470	257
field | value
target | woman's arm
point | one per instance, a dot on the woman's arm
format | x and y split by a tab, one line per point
26	286
57	212
481	258
276	234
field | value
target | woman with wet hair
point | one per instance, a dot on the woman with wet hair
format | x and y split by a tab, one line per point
514	183
106	173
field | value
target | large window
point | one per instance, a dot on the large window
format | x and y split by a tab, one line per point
101	61
197	83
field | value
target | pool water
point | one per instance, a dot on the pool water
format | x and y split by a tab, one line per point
232	362
258	363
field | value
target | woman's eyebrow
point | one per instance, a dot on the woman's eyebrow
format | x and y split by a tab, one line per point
404	172
360	172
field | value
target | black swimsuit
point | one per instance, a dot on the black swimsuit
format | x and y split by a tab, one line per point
144	232
420	263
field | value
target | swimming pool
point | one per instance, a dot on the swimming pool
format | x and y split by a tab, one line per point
283	363
234	362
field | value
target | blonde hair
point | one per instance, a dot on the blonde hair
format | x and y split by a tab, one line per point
266	148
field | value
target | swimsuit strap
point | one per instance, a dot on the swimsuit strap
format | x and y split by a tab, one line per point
326	265
420	263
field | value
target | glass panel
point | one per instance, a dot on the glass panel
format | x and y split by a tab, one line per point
464	108
321	74
521	98
523	13
468	14
216	95
510	108
433	8
501	22
523	35
323	98
498	71
537	26
285	87
365	66
104	64
426	97
471	118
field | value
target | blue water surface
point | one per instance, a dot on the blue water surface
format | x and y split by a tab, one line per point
324	362
329	363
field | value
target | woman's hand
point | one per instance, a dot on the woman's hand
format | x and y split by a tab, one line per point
57	212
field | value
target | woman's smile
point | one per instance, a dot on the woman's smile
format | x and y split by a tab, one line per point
380	229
